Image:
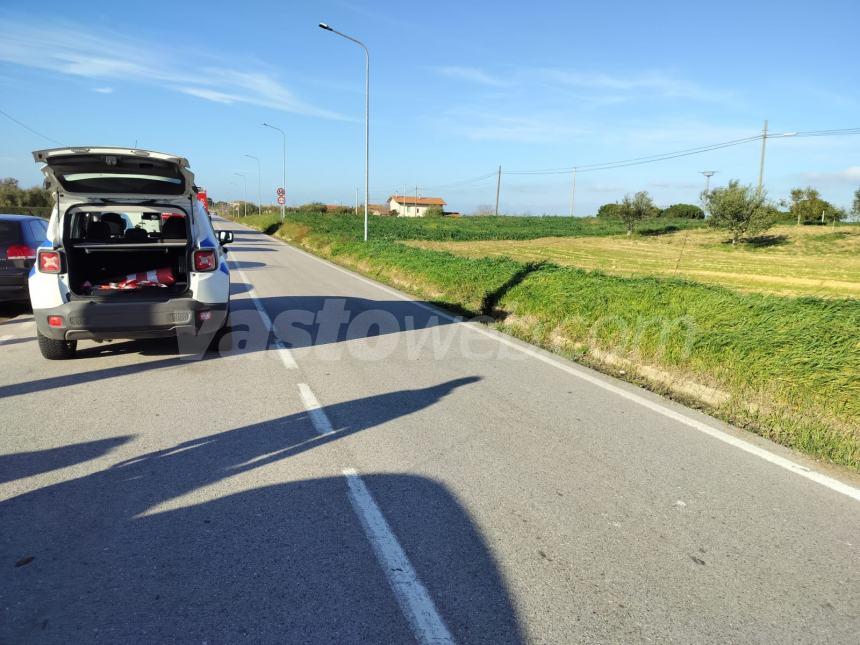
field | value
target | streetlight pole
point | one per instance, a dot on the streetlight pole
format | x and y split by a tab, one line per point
284	185
245	194
259	185
366	118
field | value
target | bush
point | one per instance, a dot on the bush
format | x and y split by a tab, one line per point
683	211
434	211
610	211
313	207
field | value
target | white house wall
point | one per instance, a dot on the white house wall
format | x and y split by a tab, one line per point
408	211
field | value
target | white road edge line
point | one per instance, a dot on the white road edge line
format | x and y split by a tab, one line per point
762	453
319	419
412	596
281	350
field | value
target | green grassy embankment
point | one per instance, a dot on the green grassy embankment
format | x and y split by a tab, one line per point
786	368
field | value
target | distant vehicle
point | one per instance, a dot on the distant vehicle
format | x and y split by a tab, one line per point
20	236
130	252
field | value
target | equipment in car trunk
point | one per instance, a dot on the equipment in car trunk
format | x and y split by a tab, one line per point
159	278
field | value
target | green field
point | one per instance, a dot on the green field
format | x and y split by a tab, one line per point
472	228
785	367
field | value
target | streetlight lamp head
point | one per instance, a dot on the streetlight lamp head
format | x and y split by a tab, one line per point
325	26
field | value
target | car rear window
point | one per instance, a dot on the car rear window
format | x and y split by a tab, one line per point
98	174
38	230
10	232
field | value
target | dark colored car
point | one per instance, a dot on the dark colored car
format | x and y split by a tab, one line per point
20	236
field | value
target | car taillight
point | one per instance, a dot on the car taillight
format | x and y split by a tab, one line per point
205	260
55	321
20	252
50	261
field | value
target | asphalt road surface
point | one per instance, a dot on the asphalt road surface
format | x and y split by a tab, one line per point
353	467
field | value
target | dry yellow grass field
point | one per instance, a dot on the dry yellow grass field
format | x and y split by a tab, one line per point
789	260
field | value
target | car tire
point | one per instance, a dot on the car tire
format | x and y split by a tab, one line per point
57	350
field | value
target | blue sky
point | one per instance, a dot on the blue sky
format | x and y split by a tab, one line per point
458	88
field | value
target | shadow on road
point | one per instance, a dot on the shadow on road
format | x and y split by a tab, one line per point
25	464
161	548
246	265
17	341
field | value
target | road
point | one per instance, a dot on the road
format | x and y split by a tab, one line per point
386	474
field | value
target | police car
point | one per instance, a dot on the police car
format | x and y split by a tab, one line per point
130	252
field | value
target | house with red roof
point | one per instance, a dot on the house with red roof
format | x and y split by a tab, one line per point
412	206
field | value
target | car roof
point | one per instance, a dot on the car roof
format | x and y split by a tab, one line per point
11	217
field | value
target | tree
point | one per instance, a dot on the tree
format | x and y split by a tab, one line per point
683	211
434	211
855	207
609	211
807	207
741	210
835	214
633	209
35	200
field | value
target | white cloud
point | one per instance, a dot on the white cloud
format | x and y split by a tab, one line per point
470	74
650	83
103	90
850	175
482	126
70	49
597	87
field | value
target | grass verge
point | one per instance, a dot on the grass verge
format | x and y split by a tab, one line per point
785	368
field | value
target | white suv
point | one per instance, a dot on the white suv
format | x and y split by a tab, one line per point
130	252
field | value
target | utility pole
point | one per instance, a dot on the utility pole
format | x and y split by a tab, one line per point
498	189
761	163
416	200
572	190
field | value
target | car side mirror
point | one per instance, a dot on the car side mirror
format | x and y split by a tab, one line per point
225	237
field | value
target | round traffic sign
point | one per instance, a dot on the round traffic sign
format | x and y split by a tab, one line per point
281	200
281	192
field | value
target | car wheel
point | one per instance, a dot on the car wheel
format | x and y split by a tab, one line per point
57	350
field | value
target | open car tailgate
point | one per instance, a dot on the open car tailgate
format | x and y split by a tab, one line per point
120	173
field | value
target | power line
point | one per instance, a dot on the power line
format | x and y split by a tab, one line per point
827	133
463	181
636	160
29	129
